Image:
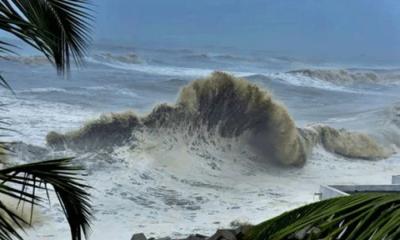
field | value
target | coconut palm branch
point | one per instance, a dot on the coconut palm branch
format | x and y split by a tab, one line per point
23	182
58	28
361	217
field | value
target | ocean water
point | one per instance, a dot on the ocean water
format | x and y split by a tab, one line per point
161	185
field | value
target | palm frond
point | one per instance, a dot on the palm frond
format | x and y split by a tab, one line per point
361	217
8	220
23	182
58	28
6	47
4	84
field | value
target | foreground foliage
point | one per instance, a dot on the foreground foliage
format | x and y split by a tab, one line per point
23	182
362	216
58	29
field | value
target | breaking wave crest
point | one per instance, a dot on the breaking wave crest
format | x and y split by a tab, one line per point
350	77
345	143
222	107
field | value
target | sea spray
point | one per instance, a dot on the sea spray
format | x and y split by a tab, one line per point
103	133
233	107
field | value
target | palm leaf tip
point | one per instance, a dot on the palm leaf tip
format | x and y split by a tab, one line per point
67	186
362	216
58	28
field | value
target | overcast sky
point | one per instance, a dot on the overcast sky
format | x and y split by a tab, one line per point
330	28
322	28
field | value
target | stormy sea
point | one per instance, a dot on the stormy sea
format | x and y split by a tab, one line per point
181	141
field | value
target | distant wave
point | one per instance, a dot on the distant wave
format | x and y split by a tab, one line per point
175	82
347	77
162	70
43	90
83	91
297	78
126	58
198	57
302	81
29	60
217	109
220	57
129	58
230	58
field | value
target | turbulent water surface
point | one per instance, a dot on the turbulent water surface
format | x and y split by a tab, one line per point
242	146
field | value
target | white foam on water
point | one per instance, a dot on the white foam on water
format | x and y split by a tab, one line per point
32	119
305	81
162	70
165	188
42	90
173	71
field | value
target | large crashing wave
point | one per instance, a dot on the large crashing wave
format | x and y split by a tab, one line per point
350	77
222	106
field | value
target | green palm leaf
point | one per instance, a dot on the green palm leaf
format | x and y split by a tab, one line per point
359	217
58	28
23	182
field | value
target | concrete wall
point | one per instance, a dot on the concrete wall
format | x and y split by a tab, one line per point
367	188
332	191
327	192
